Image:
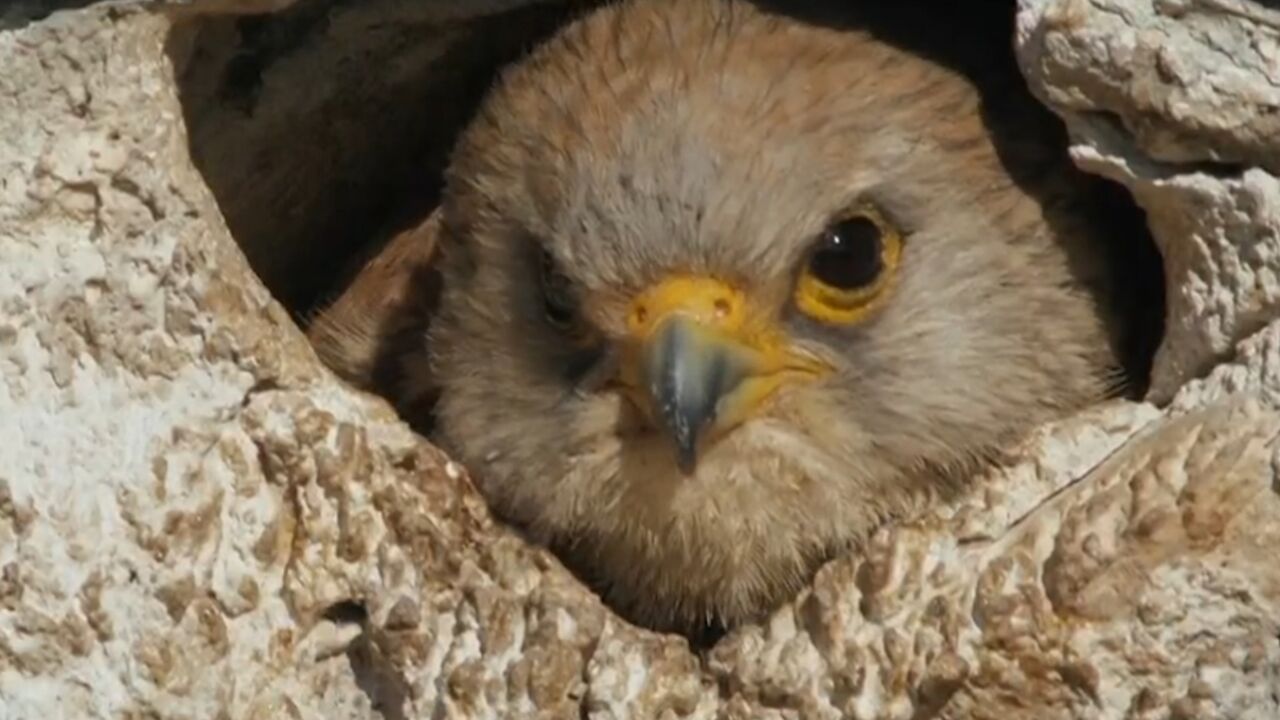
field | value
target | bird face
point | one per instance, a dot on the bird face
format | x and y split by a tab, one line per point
724	290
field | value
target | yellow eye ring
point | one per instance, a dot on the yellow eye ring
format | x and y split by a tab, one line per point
852	264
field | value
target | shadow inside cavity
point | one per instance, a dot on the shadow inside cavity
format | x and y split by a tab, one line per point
17	14
323	129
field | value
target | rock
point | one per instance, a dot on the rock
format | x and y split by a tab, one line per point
197	520
1179	100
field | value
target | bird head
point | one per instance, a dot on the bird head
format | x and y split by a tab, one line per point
724	289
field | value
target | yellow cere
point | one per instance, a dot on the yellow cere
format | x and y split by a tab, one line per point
722	314
709	301
840	306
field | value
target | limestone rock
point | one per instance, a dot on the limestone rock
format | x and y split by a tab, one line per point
197	520
1179	100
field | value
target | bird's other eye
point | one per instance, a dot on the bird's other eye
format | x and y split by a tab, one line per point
849	267
560	303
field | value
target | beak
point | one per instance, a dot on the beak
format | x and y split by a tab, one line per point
700	365
687	372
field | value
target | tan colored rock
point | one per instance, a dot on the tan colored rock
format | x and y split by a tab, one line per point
197	520
1179	100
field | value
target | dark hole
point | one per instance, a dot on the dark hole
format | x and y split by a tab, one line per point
347	612
20	13
1137	274
323	129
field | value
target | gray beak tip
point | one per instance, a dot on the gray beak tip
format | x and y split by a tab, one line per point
687	377
687	455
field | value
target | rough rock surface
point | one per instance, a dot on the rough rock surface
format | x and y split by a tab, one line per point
1179	100
198	521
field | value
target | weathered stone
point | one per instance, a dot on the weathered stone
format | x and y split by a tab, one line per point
1179	100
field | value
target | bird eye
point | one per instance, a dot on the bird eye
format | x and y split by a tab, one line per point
848	256
849	267
560	304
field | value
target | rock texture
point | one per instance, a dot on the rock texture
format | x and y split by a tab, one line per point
1179	100
198	521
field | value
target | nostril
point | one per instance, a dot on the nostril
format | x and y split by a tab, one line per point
722	307
641	315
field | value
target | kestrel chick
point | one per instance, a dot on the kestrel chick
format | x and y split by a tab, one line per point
724	289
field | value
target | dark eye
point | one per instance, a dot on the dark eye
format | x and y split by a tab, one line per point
849	255
850	268
559	301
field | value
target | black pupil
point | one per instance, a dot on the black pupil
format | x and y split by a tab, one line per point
849	255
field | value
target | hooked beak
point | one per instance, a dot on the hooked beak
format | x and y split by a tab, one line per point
700	365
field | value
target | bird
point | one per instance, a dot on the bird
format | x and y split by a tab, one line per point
725	287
